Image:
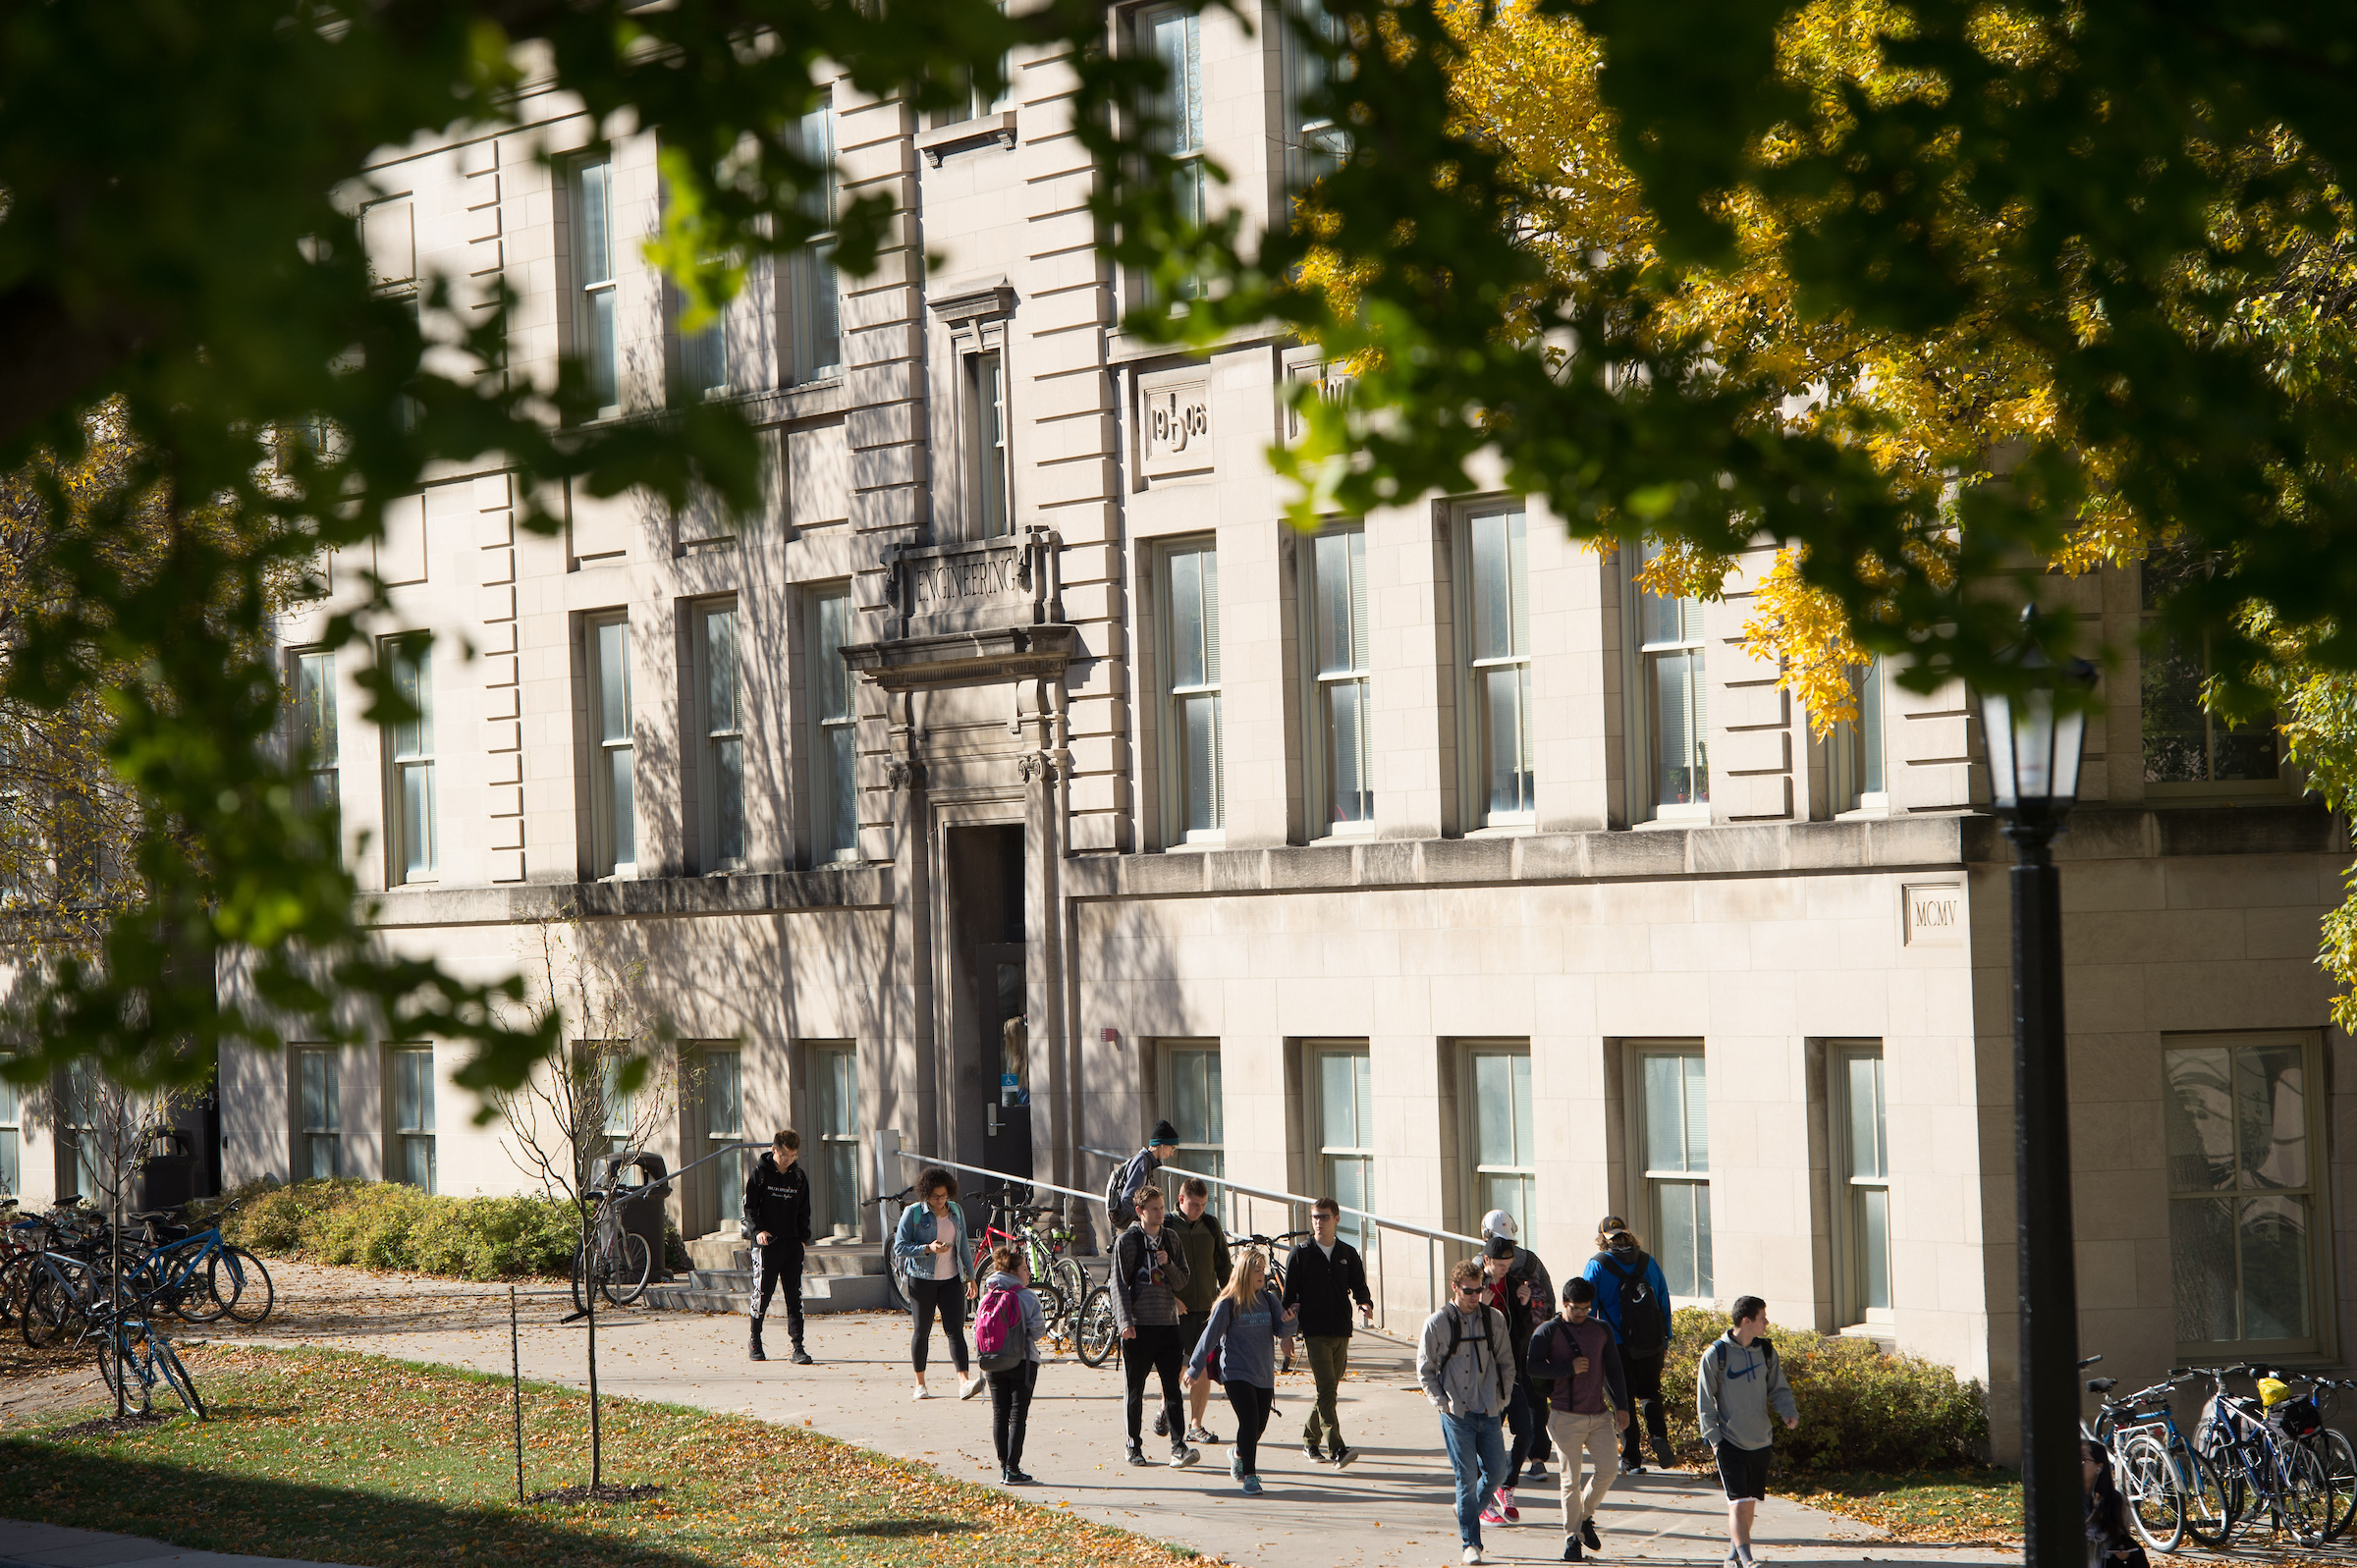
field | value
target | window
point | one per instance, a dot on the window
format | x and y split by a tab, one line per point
1673	1141
613	815
724	1128
991	476
1862	1184
1343	1095
834	774
705	355
2247	1230
1197	767
980	99
414	1114
1674	704
1855	750
1191	1089
1340	750
593	278
619	1105
319	1125
1504	1166
720	777
315	727
1175	38
11	1127
79	1152
2187	748
813	306
1319	144
1502	778
835	1114
410	750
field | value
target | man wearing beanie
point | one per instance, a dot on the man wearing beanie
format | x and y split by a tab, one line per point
1121	1195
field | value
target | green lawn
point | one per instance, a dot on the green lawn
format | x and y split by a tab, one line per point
360	1459
1982	1505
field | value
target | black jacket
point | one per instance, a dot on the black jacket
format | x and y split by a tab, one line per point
778	1202
1323	1291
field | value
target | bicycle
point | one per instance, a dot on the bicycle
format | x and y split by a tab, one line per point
615	1262
2171	1490
1060	1282
893	1281
164	1271
132	1357
2256	1465
2301	1421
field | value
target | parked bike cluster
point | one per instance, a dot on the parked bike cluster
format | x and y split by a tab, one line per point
2264	1461
68	1276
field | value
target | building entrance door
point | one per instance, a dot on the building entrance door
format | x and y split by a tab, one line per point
989	968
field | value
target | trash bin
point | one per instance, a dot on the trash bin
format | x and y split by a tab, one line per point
168	1172
643	1215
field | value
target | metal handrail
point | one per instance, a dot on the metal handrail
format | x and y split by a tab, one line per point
1003	1175
1431	1236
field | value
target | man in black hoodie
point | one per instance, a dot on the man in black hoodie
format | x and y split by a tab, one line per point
1322	1277
777	1220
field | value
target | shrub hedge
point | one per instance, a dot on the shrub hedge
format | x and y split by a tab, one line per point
1859	1409
388	1224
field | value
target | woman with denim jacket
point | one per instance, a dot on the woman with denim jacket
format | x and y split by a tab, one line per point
937	1267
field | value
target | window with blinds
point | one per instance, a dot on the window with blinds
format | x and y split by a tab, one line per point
1340	750
412	1074
409	758
1197	787
720	773
614	816
834	762
1673	1116
1173	36
594	283
813	302
315	727
1671	682
1495	615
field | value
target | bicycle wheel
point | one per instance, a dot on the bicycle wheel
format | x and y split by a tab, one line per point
2224	1460
120	1369
2340	1462
1071	1281
628	1267
198	1300
1096	1336
57	1306
241	1285
168	1362
2207	1518
2307	1507
15	1278
2149	1483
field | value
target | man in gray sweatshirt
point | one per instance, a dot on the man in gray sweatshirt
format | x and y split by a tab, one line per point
1467	1366
1737	1385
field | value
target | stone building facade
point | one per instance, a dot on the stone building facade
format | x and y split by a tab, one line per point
1424	860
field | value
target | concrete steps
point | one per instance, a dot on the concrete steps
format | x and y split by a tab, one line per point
837	1276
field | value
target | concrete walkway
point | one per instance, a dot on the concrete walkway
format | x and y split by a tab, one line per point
24	1546
1391	1507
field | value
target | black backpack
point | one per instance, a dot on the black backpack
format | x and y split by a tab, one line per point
1644	1319
1116	1188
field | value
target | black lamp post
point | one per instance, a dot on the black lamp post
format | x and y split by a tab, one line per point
2034	747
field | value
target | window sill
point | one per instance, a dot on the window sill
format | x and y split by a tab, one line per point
1345	833
1694	816
1196	847
981	131
1505	829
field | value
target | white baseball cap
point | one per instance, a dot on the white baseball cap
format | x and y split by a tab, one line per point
1498	1222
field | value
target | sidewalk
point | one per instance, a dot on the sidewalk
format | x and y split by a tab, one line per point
1391	1507
24	1546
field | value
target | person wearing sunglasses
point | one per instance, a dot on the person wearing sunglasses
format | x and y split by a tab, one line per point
1465	1364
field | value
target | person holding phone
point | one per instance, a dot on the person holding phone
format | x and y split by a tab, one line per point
930	1250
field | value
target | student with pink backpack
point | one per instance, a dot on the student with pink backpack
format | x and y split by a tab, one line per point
1006	1332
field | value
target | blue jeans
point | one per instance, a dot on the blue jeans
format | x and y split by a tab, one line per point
1477	1455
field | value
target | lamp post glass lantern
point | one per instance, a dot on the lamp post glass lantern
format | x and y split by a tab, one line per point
2035	736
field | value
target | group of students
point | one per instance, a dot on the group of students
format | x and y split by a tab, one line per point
1510	1378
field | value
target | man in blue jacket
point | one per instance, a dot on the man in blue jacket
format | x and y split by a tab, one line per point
1633	1300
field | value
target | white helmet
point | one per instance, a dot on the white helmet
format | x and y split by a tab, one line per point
1498	1222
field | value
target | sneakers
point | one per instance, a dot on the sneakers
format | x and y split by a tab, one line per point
801	1357
1342	1456
1471	1554
922	1392
1661	1454
1314	1453
1200	1435
1571	1551
1536	1470
1505	1505
1251	1486
1587	1533
1183	1456
1138	1454
1236	1467
970	1387
1491	1514
1162	1424
1632	1467
1017	1476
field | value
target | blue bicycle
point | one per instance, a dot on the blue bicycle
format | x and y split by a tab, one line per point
134	1357
197	1273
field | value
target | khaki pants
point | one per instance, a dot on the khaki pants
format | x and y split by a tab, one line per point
1329	1357
1596	1434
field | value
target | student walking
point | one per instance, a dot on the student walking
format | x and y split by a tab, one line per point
1008	1327
777	1220
1467	1371
1633	1300
930	1250
1512	1295
1204	1240
1499	1223
1148	1270
1121	1192
1322	1278
1591	1394
1243	1332
1736	1387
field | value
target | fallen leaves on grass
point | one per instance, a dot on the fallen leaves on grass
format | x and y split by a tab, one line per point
1959	1507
